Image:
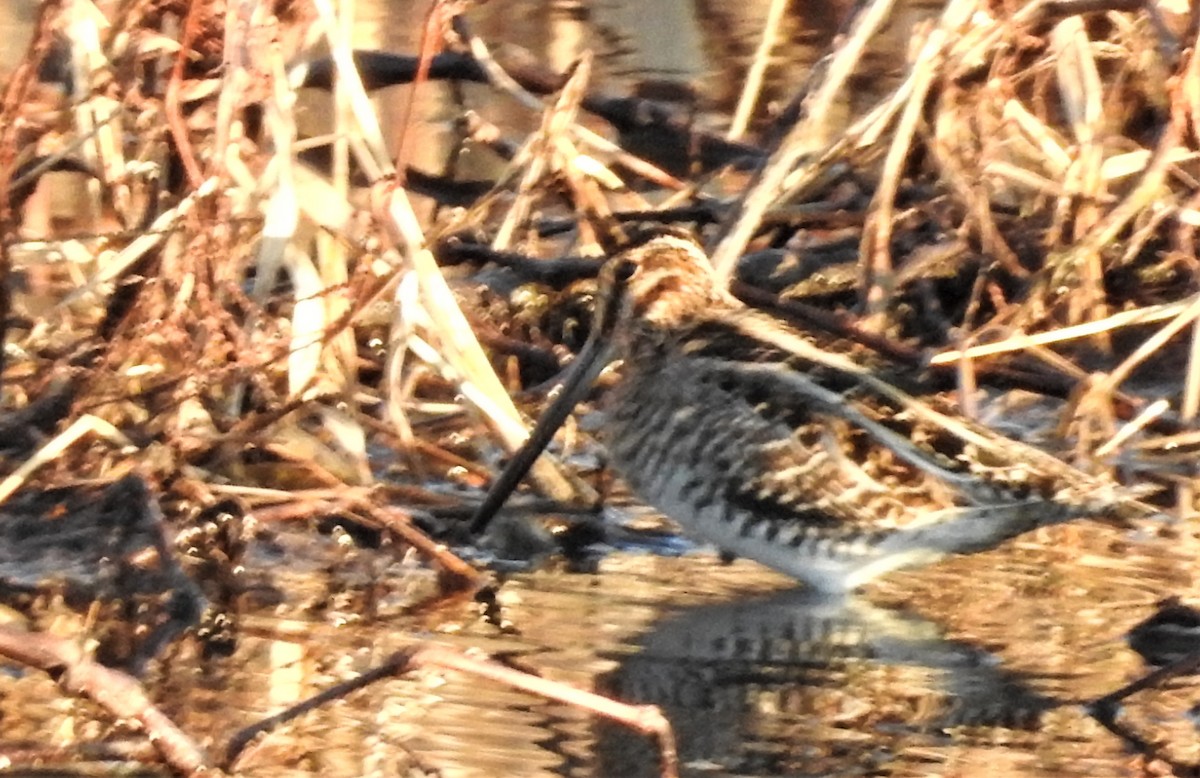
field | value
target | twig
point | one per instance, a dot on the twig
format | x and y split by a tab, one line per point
500	78
115	267
118	693
171	103
432	39
399	523
647	719
947	122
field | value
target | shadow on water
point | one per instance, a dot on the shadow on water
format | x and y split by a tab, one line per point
799	683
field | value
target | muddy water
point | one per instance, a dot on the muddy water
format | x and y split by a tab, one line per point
978	666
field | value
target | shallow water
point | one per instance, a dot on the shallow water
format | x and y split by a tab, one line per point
979	665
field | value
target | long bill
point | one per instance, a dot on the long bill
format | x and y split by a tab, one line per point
583	372
592	359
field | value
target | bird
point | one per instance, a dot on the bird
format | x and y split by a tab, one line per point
775	446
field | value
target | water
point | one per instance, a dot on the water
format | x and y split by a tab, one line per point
977	662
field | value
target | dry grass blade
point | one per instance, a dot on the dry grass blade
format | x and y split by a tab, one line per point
57	446
809	136
875	250
758	69
1136	425
556	122
118	264
1118	375
1079	84
462	349
377	162
1021	341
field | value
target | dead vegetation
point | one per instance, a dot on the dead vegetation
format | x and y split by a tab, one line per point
239	314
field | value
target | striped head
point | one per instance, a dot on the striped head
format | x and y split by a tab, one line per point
661	284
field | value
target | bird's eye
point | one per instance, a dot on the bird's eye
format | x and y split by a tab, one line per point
625	270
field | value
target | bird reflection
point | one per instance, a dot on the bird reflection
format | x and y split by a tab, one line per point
801	682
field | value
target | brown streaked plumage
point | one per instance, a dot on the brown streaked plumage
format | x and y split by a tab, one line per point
756	439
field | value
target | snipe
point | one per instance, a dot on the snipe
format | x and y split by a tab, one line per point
755	438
